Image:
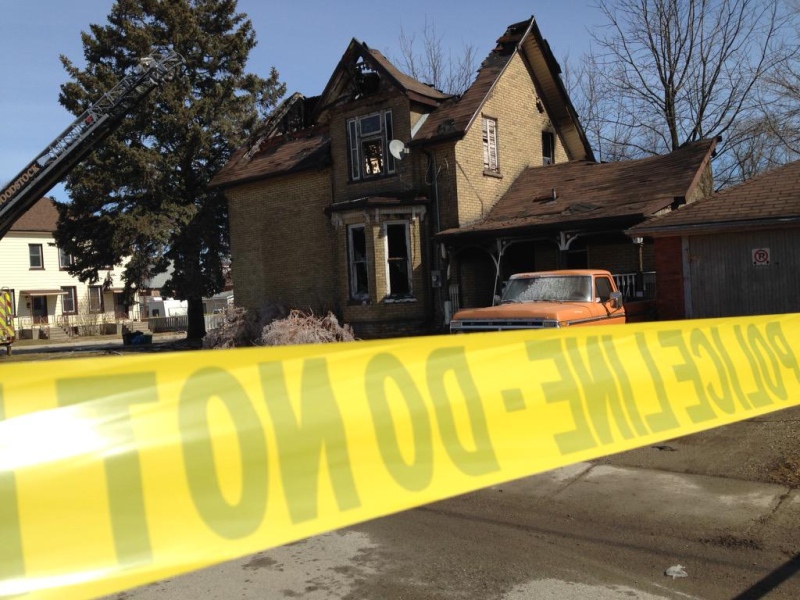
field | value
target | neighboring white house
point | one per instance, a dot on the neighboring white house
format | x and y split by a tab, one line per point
44	294
153	305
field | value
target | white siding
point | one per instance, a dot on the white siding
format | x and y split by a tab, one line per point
16	274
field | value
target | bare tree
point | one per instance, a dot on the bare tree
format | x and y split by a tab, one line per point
781	100
598	109
676	71
433	65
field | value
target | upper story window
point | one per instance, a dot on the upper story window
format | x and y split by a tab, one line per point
490	161
368	140
548	148
64	259
36	257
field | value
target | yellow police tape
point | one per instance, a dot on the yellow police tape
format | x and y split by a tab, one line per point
116	471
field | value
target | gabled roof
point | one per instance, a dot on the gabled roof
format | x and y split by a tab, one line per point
269	154
343	74
450	116
771	199
455	116
579	192
42	217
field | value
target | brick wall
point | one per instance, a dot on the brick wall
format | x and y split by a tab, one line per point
380	312
283	246
519	139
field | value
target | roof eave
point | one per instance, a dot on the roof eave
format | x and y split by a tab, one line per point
709	227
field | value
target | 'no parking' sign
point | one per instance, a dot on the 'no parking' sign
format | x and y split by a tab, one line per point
761	257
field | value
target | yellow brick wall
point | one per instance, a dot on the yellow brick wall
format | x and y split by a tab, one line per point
283	246
512	103
404	179
380	310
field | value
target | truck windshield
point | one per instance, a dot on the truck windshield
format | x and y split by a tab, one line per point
555	288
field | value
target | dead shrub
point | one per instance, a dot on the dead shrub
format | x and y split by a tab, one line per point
241	328
274	325
301	328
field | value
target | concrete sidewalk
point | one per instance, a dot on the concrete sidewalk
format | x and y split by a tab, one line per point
740	512
107	342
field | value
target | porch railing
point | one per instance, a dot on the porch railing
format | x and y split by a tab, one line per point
626	282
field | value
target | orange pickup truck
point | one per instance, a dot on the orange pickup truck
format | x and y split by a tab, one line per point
548	299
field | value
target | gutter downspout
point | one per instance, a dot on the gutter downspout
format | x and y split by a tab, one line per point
436	261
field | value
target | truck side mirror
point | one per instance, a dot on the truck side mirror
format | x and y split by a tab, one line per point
496	300
616	299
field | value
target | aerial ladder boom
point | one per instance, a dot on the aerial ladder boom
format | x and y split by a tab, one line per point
80	138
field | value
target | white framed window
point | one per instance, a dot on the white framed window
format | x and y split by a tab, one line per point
36	258
398	259
368	140
64	260
95	298
357	262
69	300
490	159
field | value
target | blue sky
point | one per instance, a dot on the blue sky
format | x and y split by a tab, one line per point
303	39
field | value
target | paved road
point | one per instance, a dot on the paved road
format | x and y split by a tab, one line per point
586	531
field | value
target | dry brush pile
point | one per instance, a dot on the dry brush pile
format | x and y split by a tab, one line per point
275	326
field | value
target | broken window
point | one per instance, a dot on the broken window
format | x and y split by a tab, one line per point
357	259
548	148
398	259
490	162
368	139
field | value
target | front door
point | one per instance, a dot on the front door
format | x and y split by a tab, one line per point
39	309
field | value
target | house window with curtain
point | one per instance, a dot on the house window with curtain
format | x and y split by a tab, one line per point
357	262
398	260
491	163
368	139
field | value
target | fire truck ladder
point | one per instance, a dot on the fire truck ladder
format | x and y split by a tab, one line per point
80	138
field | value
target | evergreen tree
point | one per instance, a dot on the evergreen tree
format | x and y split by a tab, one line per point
144	193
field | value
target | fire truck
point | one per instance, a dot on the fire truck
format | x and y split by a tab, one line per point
73	145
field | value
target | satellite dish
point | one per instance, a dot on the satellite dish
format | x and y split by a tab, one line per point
397	149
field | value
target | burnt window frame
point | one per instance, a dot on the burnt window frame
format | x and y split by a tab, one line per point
408	291
548	141
356	140
353	263
489	143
